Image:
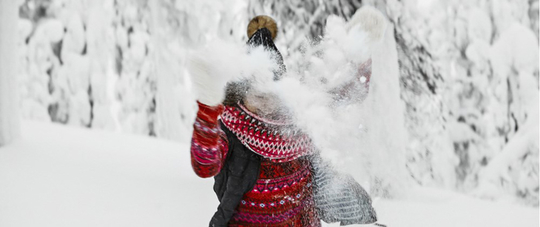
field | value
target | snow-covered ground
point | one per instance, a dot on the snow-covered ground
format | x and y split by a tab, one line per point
65	176
455	83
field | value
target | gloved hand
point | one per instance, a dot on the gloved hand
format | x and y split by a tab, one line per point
369	20
208	84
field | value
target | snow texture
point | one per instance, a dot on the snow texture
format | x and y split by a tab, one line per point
57	175
470	90
452	103
9	102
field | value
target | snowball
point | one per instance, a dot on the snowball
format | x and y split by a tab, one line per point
363	79
357	45
233	62
335	27
369	20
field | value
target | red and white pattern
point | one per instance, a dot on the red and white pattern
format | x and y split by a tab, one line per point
209	144
277	141
282	196
283	193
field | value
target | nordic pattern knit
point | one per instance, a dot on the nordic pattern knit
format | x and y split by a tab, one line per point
283	193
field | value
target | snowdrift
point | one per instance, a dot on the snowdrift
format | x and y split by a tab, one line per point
65	176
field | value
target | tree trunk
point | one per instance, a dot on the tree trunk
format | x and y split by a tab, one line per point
9	118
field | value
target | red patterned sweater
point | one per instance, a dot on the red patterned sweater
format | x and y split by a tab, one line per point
282	195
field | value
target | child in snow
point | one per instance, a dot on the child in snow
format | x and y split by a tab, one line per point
266	171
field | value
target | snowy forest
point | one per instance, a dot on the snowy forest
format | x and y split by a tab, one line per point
453	101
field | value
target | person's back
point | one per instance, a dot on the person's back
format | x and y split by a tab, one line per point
265	168
282	195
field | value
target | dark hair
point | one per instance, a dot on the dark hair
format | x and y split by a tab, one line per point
236	91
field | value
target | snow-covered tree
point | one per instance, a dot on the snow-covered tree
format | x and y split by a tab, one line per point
9	105
468	77
176	30
469	81
117	65
464	100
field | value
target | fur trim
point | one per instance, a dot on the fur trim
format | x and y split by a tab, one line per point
370	20
262	21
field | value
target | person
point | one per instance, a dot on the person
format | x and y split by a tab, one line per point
265	168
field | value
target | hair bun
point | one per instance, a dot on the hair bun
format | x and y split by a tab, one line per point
262	21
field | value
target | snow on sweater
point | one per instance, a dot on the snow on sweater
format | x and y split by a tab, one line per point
283	193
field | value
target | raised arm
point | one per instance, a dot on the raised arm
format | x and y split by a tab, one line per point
357	89
209	144
367	28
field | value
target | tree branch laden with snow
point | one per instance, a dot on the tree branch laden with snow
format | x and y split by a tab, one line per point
9	102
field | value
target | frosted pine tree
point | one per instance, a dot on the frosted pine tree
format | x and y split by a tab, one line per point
468	86
9	114
177	30
66	55
464	101
476	86
39	61
430	155
117	65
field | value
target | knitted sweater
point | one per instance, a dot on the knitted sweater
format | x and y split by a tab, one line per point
283	192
